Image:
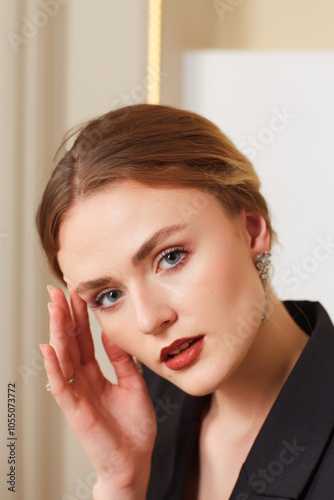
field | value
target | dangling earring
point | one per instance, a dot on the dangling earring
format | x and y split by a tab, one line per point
263	264
138	365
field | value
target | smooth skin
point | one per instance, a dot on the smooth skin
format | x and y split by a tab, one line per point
113	422
213	290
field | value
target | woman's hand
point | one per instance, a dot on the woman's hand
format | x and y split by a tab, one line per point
115	424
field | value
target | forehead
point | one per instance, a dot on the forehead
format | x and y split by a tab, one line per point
106	228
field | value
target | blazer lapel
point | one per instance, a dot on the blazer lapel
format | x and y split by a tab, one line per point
294	436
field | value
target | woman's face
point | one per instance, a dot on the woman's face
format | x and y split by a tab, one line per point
163	268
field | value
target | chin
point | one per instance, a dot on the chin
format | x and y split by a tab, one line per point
197	386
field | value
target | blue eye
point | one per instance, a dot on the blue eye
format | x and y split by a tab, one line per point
171	258
109	298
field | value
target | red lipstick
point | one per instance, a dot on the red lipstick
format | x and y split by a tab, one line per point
182	352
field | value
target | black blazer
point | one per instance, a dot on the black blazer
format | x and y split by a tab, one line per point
293	454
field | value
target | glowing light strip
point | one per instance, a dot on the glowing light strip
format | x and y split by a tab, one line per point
154	51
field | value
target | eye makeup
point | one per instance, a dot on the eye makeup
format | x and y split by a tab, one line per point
177	257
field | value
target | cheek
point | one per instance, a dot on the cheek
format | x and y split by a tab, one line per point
118	330
228	291
221	275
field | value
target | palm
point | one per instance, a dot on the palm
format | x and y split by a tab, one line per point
114	423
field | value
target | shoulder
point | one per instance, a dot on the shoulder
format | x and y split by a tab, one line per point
297	436
311	316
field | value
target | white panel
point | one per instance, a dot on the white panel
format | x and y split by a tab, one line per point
278	107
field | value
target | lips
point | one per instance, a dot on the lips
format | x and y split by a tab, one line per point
177	346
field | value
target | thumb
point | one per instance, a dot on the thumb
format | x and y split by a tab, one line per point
123	363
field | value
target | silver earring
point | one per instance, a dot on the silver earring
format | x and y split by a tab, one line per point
263	264
138	365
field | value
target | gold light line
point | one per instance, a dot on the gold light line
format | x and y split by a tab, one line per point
154	51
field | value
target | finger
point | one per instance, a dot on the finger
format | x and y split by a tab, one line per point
58	298
59	387
82	327
73	407
59	340
93	434
125	368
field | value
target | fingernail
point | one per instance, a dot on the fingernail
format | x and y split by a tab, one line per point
41	347
49	287
50	305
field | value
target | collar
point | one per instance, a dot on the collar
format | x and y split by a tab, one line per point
293	438
290	442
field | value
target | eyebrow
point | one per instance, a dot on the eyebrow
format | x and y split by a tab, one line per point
144	251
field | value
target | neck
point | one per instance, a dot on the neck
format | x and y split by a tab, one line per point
245	399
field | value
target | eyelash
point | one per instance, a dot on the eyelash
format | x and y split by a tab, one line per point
164	254
96	302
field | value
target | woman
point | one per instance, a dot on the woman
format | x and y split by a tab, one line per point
155	221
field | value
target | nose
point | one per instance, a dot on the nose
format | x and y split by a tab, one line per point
153	312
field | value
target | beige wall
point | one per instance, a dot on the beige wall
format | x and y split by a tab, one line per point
105	56
59	67
251	24
88	57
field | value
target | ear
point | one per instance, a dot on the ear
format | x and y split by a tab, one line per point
257	232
